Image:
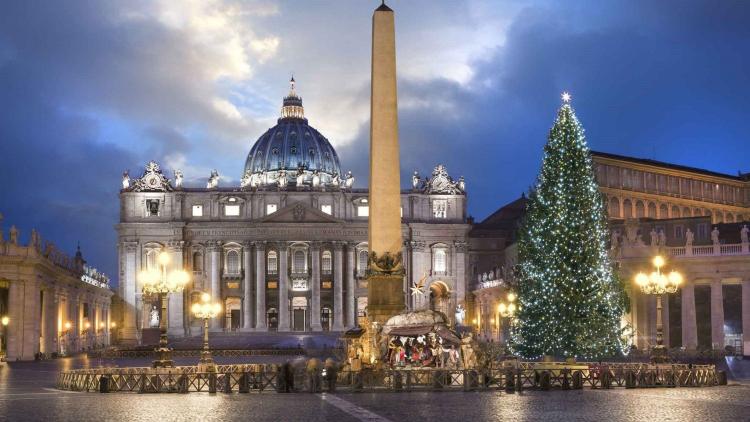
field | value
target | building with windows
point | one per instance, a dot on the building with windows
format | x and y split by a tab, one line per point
697	219
286	250
51	302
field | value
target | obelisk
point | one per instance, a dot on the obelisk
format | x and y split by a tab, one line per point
385	295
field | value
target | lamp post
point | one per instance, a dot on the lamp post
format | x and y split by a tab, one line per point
162	283
657	283
206	310
64	337
506	310
4	321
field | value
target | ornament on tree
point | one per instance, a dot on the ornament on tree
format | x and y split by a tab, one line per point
571	300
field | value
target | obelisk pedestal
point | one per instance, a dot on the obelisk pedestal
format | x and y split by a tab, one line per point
385	296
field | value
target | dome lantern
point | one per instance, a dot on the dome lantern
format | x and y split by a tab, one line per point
292	105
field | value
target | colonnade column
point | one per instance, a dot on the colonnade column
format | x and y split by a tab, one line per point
717	315
746	317
338	291
689	327
460	248
213	249
665	319
247	285
351	307
176	317
260	286
315	309
283	287
128	333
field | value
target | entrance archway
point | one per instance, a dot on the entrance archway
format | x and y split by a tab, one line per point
440	297
233	307
299	313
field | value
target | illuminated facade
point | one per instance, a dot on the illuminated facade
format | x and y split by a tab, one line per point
54	303
287	249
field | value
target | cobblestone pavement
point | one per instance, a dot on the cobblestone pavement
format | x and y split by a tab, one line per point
27	393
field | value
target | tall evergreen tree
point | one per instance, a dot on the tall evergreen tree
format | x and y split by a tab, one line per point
571	300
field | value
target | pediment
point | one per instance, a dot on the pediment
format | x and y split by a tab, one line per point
299	212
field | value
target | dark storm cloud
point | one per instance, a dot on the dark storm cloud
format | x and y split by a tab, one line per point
85	94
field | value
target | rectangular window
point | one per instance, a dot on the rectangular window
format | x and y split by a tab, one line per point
327	209
440	208
702	231
678	231
363	211
152	207
197	210
270	209
231	210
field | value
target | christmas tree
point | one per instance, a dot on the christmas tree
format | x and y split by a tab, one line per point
571	302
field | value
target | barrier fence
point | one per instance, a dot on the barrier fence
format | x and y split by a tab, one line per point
115	354
247	378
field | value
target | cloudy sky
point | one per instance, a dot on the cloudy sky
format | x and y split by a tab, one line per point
89	89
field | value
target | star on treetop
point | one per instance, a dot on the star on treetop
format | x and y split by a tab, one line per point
566	97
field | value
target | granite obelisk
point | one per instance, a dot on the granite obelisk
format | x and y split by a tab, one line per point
385	280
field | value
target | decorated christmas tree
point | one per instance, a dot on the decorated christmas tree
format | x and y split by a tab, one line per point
571	302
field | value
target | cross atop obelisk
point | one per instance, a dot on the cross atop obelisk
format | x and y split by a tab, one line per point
385	282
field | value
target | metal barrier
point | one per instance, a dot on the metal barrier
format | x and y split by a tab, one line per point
246	378
115	354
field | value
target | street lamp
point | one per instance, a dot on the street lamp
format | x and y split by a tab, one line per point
64	337
161	283
506	310
206	310
657	283
4	321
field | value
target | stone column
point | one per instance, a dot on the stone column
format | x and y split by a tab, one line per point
284	287
351	305
689	327
315	290
338	291
665	318
746	317
247	302
717	315
260	287
460	248
214	249
128	333
176	317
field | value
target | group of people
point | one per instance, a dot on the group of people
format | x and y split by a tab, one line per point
422	351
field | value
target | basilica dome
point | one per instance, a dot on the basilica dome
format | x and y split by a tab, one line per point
292	150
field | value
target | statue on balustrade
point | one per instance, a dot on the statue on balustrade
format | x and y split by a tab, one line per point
689	237
662	238
744	233
715	235
654	237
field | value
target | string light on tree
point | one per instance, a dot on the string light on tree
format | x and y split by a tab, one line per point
571	302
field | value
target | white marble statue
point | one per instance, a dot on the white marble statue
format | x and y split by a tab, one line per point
349	180
662	238
300	179
715	235
126	180
255	180
654	237
178	178
744	233
316	180
213	180
615	239
689	237
283	180
13	235
460	315
336	180
415	180
461	184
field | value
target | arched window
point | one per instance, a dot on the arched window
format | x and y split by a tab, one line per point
614	208
198	262
362	262
272	266
151	261
326	262
298	261
233	263
439	264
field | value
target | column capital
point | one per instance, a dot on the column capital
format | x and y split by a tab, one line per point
282	246
316	245
176	245
260	245
461	246
130	246
247	244
338	245
417	245
213	245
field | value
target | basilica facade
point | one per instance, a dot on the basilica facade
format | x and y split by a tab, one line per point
286	250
